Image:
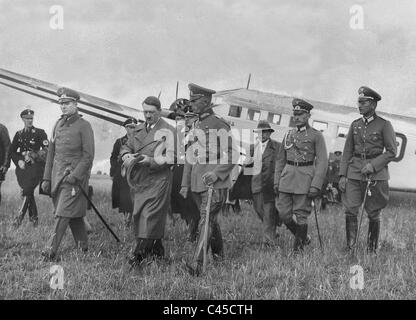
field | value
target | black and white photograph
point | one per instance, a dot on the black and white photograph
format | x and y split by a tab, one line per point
220	151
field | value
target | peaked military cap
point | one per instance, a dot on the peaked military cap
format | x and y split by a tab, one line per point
263	125
66	94
129	121
27	114
198	91
152	101
368	93
301	105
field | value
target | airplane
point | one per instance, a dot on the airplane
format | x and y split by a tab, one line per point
243	108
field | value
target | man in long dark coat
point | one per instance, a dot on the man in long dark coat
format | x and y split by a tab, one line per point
120	190
68	168
151	153
4	153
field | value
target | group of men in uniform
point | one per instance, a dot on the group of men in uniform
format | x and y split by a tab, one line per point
291	176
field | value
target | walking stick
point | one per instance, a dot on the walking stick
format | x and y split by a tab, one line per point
208	209
317	226
367	191
98	214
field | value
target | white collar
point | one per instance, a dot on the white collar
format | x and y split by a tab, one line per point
368	120
303	128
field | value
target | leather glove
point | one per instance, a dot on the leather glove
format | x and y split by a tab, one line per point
145	159
70	179
127	156
46	186
313	192
342	184
184	192
209	178
367	169
21	164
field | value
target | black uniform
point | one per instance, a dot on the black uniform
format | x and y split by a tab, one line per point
29	145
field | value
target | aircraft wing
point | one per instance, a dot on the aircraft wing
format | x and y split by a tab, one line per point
95	106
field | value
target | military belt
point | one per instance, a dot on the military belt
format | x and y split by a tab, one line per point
364	156
299	164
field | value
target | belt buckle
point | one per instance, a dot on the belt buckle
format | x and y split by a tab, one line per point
363	157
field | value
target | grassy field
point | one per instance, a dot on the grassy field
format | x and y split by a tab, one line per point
249	271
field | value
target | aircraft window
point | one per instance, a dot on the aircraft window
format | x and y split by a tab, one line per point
235	111
253	115
321	126
274	118
342	132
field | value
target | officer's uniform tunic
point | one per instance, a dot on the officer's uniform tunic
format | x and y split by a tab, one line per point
372	141
192	177
302	163
33	141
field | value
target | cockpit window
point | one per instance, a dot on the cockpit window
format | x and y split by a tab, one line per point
235	111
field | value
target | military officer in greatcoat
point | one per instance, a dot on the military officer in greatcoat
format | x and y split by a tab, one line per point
148	156
208	164
300	172
369	147
28	152
4	154
68	168
120	190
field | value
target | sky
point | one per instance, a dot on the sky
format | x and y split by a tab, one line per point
128	49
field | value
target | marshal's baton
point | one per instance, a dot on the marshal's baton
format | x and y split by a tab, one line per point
367	191
317	226
208	209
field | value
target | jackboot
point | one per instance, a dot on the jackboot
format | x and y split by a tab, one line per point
292	227
373	234
33	211
193	229
216	243
351	228
300	237
22	212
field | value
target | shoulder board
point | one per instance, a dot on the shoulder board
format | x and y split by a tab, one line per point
222	119
356	120
381	118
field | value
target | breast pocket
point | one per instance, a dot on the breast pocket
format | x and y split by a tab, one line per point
375	137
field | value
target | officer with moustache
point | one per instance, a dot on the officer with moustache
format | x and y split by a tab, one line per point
28	152
369	147
300	172
207	166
